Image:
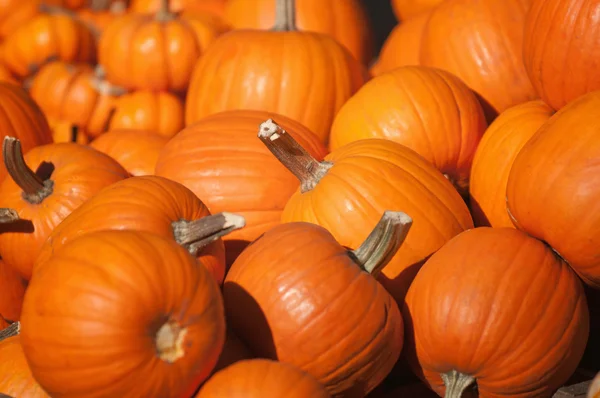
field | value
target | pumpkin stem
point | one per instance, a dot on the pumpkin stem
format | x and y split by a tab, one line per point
102	86
163	14
295	158
8	215
456	383
74	133
35	190
11	330
195	235
169	341
383	242
285	16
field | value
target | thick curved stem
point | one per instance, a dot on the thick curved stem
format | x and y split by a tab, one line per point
12	330
35	190
195	235
456	383
8	215
383	242
295	158
285	16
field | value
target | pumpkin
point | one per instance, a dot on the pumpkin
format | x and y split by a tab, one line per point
347	192
154	52
6	76
12	291
46	37
428	110
161	112
216	7
594	390
406	10
494	158
222	162
344	20
68	132
481	311
151	204
287	292
554	175
136	151
65	176
257	378
402	47
266	70
157	316
481	42
14	13
233	351
100	18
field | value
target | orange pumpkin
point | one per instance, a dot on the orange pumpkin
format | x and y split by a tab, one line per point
216	7
259	378
481	42
296	281
154	315
428	110
98	18
68	132
347	192
267	70
146	110
66	175
497	308
136	151
551	191
6	76
12	291
46	37
344	20
14	13
410	9
495	156
233	351
206	158
151	204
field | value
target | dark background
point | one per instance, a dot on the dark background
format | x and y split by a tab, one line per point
382	18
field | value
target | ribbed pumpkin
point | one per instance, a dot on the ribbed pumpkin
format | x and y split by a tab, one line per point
151	204
260	378
344	20
495	156
12	291
145	110
347	192
267	70
552	192
410	9
497	308
14	13
136	151
142	309
481	42
296	282
6	76
220	159
44	187
428	110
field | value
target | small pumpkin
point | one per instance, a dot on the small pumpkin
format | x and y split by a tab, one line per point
267	70
68	132
157	316
12	291
481	311
495	156
258	378
428	110
63	177
98	17
406	10
287	292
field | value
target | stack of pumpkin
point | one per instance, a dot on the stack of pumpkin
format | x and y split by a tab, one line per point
224	198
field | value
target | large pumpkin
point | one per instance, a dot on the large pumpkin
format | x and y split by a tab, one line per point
428	110
267	70
347	192
497	308
134	304
12	291
552	192
220	159
406	10
481	41
494	158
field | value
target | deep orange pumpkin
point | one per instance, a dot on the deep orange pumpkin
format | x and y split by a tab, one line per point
12	291
552	192
406	10
6	76
495	156
14	13
497	308
216	7
143	310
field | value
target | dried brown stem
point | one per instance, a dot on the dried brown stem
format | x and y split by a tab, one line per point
285	16
456	383
163	14
195	235
12	330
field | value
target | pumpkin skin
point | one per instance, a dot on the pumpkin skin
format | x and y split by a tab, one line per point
14	13
63	131
161	112
6	76
428	110
136	151
176	297
410	9
100	19
257	378
15	377
216	7
77	169
12	291
554	173
344	20
495	156
481	42
146	203
44	37
466	312
201	158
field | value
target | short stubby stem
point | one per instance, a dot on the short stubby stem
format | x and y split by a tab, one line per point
456	383
285	16
197	234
